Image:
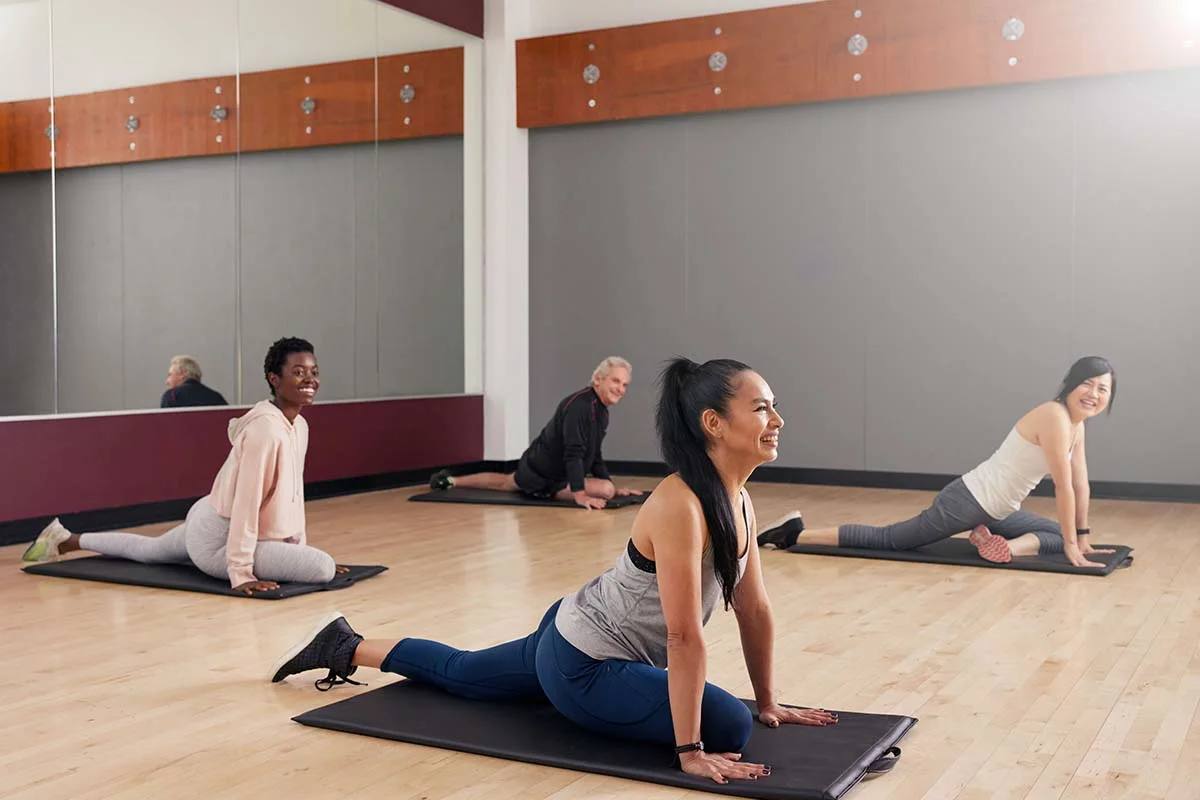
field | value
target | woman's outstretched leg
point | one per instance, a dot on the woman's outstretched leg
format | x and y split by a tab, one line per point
904	535
496	481
504	672
55	540
953	511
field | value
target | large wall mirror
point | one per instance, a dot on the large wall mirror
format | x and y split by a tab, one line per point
199	179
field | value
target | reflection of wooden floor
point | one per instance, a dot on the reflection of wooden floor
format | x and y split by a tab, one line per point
1027	685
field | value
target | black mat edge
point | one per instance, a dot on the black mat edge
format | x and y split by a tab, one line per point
359	573
857	772
1022	564
853	774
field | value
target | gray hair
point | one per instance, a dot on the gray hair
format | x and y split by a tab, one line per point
607	365
188	367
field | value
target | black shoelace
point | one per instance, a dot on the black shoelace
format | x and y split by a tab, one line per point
331	680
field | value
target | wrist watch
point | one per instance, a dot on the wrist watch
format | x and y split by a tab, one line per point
687	748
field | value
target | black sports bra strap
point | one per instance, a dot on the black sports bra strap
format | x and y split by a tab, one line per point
746	518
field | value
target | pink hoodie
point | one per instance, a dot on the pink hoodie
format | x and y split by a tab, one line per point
260	488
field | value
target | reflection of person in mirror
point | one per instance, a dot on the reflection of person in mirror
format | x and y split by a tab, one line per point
250	528
184	388
557	464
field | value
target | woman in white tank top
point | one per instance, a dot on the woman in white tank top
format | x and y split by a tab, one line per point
986	501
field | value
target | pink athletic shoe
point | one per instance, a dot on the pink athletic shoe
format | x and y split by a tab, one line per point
990	546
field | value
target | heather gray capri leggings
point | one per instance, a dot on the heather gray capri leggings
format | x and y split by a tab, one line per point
201	541
954	510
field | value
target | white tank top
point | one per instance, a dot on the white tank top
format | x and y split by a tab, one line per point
1002	483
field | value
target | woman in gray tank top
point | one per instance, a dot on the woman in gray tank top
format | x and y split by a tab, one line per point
600	654
986	501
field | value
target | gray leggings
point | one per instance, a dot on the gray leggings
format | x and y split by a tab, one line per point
954	510
201	541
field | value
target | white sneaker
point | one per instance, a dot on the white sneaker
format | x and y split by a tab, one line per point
45	547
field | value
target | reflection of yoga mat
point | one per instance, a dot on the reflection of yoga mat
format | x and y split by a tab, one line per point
494	498
960	552
807	762
182	576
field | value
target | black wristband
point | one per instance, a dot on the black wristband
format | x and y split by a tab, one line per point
1083	531
687	748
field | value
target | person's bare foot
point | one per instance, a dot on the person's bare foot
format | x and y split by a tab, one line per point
990	546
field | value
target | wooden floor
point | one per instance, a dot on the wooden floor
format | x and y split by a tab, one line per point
1027	685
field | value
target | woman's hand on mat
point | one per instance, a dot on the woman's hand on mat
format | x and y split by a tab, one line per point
776	715
250	587
720	767
587	501
628	492
1085	546
1075	555
340	570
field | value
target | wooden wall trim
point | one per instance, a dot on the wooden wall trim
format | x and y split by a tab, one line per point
23	143
273	118
174	120
801	54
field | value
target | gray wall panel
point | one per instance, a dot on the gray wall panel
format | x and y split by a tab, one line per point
911	273
607	268
178	228
1137	287
26	295
361	253
776	250
91	338
968	309
148	257
420	298
297	262
366	259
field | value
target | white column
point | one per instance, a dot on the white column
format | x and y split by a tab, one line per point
506	237
473	217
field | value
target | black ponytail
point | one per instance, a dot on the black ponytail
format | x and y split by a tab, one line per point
687	389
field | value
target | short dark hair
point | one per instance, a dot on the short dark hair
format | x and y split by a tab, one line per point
1084	369
278	354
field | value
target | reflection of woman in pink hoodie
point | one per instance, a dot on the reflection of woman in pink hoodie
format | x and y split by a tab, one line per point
250	528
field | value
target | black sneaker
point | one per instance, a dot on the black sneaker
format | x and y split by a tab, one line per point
441	480
783	532
331	646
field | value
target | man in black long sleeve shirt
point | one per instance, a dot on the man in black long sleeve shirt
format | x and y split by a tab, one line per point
568	448
558	462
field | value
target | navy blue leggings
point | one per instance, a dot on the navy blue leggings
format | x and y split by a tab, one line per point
624	699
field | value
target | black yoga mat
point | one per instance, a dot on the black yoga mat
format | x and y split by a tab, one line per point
494	498
960	552
182	576
806	762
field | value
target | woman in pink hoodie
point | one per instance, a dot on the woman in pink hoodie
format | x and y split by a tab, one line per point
250	528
